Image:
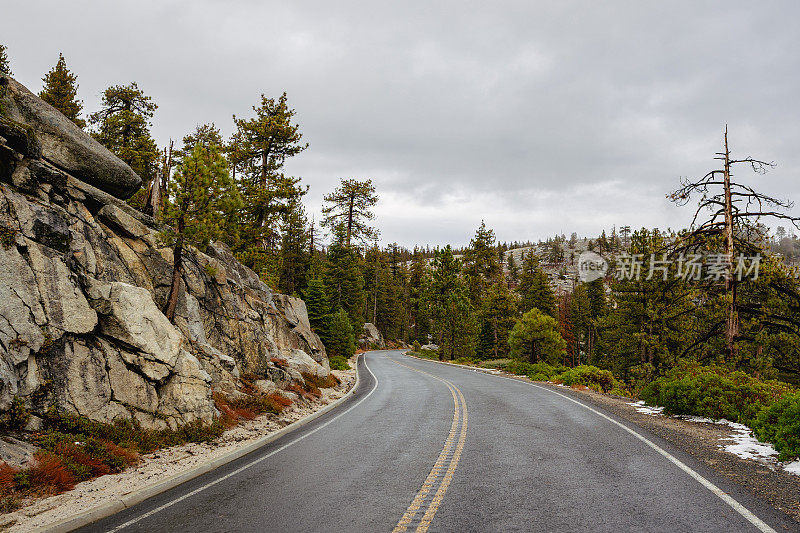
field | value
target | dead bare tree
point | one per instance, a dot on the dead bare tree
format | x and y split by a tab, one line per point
157	190
735	210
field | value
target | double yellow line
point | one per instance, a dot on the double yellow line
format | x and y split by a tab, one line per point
420	513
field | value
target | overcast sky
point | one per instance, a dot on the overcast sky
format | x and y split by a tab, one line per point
539	117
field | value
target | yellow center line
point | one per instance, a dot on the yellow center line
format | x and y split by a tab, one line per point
459	418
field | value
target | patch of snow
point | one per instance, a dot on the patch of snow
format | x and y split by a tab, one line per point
698	419
792	468
745	444
742	441
646	409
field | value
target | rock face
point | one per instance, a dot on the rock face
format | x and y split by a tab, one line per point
63	144
371	338
83	280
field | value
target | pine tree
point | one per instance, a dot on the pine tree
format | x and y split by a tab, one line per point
294	253
341	339
513	271
199	193
448	296
536	338
534	287
123	126
419	314
481	265
5	62
350	205
497	317
61	91
344	280
258	151
317	305
654	320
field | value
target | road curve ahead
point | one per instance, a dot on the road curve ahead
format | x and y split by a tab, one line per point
428	447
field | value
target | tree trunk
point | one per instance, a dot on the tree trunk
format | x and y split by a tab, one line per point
350	219
732	328
177	273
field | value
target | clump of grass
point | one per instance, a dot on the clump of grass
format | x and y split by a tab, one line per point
323	383
49	474
248	407
307	392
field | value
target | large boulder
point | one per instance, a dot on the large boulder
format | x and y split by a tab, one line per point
61	142
371	337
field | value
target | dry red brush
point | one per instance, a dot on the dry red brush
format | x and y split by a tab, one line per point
49	475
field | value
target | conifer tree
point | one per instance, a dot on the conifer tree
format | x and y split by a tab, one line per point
61	91
350	205
199	193
341	339
344	279
419	315
448	296
536	338
123	126
481	265
513	271
5	62
317	306
534	287
497	317
257	151
294	249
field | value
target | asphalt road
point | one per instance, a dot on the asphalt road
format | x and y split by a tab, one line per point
424	445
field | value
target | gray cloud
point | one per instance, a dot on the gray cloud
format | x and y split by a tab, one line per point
538	117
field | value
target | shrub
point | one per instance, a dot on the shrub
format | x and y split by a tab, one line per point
495	363
780	424
589	376
49	475
338	362
9	504
416	346
428	354
712	391
323	383
17	415
7	474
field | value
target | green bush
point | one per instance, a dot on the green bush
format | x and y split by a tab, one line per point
338	362
780	424
712	391
589	376
17	416
495	363
416	346
428	354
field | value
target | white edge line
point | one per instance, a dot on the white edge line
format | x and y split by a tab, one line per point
724	496
129	500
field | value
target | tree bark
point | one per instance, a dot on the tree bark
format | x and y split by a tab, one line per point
177	273
732	329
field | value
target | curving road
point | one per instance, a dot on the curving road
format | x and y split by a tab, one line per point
424	446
